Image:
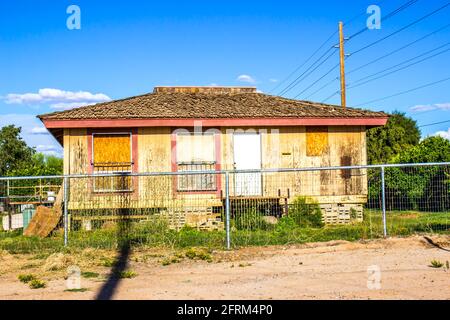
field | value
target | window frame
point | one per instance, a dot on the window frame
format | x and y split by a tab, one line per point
119	172
216	189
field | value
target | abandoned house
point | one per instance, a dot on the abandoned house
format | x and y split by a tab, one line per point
176	129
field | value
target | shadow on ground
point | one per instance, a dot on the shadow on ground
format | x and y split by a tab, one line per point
108	289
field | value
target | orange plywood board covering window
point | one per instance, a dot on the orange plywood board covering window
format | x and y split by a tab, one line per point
316	140
112	148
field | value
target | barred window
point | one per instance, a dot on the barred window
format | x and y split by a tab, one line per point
196	152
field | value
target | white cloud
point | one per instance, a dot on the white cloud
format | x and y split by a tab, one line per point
245	78
273	80
443	134
39	130
56	97
429	107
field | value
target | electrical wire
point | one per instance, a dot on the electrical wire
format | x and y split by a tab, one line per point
397	50
387	17
361	81
433	124
404	92
307	72
401	29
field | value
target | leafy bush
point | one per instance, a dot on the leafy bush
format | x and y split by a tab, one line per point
306	214
250	219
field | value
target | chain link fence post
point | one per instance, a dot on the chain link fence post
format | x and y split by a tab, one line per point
227	209
66	217
383	201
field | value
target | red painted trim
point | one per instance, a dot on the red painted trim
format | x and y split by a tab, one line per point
134	156
224	122
218	155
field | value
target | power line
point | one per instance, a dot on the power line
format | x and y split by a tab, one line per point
305	74
398	50
314	53
329	97
387	17
391	14
323	87
311	85
402	29
361	81
404	92
305	62
433	124
346	23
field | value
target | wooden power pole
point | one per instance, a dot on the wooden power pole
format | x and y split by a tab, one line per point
342	62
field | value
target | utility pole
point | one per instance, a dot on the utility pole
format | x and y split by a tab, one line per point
342	62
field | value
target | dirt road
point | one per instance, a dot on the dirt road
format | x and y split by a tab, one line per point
333	270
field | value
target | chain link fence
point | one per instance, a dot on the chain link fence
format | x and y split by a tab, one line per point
224	209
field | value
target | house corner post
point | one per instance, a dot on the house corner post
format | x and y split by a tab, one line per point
383	201
66	217
227	209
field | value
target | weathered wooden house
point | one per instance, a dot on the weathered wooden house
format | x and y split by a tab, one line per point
177	129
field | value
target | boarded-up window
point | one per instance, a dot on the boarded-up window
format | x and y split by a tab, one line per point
316	141
196	152
112	154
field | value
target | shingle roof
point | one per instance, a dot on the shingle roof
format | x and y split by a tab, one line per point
183	105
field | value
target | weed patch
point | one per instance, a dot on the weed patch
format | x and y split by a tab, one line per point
128	274
25	278
37	284
436	264
89	274
76	290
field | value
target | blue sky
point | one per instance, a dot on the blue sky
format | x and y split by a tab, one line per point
125	48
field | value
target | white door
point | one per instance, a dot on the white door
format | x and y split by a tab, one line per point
247	155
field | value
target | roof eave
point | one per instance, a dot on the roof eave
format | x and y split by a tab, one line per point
214	122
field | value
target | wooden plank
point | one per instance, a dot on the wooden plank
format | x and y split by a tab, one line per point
316	141
112	148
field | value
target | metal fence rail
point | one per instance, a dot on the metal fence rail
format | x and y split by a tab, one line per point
235	208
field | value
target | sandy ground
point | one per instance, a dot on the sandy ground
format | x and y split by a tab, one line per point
333	270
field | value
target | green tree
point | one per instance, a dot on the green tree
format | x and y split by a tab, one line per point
39	165
14	152
431	149
423	188
399	134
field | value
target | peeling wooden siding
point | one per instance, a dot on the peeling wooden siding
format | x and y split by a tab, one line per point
154	149
76	162
285	147
75	151
154	155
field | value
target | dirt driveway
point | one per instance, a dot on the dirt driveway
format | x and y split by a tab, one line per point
333	270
